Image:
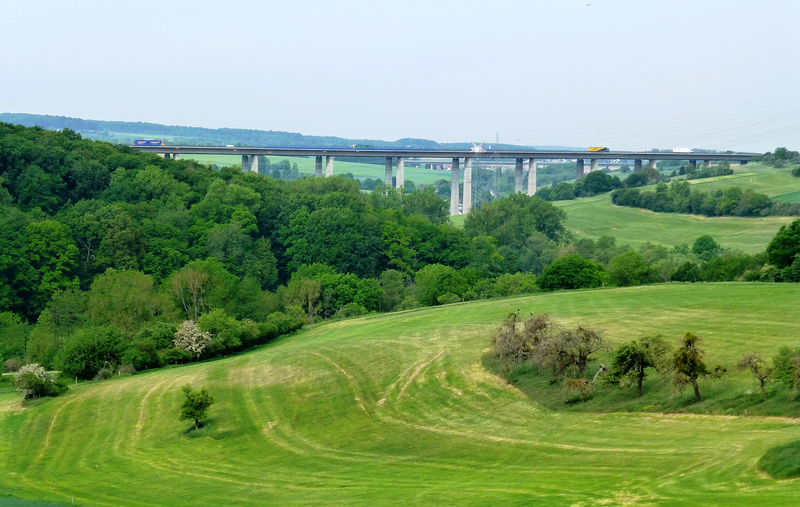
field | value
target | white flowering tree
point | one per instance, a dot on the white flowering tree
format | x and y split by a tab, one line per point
32	381
191	338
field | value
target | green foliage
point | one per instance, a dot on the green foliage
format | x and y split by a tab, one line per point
706	248
195	404
687	363
516	218
13	336
89	350
435	280
786	366
782	461
686	272
785	246
634	358
630	268
32	381
572	272
678	197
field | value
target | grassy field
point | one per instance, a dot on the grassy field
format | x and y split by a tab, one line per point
593	217
399	409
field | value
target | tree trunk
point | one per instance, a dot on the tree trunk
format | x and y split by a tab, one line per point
197	424
763	391
696	390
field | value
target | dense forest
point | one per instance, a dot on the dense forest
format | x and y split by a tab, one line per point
111	257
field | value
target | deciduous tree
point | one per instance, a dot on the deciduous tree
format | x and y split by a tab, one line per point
195	404
688	365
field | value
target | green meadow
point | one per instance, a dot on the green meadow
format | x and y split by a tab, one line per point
592	217
401	408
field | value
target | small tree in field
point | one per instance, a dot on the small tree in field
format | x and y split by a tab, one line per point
759	369
195	404
635	357
688	364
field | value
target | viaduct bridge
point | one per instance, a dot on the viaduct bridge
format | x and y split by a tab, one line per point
398	156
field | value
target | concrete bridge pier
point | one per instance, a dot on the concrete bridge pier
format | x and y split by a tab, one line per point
387	172
318	166
707	163
401	172
579	168
693	163
637	165
247	160
467	185
328	166
518	178
454	181
594	165
531	176
653	164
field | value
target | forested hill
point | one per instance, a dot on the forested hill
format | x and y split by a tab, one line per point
123	132
101	244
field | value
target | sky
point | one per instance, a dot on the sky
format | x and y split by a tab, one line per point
627	74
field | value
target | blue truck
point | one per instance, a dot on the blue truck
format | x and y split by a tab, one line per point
148	142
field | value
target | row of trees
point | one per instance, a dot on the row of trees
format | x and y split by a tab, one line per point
565	354
679	197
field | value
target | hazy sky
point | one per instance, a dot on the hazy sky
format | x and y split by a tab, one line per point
628	74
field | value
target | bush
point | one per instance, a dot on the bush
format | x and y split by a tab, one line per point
782	462
32	381
104	373
174	355
572	272
89	351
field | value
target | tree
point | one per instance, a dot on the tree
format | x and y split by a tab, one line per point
687	362
758	367
630	268
686	272
125	299
572	272
517	342
706	248
191	338
32	381
514	219
570	349
635	357
195	404
785	246
52	258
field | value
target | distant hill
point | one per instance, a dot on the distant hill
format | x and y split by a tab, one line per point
124	132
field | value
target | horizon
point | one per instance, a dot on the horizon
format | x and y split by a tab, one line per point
618	73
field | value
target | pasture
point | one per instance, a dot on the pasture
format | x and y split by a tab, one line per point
400	409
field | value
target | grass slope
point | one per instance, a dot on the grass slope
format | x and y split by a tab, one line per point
593	217
398	409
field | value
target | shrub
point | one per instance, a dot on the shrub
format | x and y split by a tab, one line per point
782	462
32	381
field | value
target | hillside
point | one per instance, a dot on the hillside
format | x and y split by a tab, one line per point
592	217
400	409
